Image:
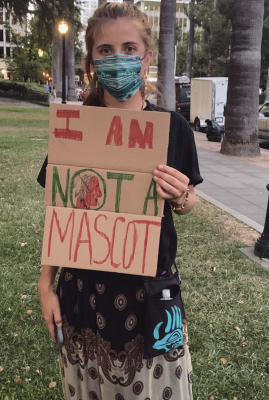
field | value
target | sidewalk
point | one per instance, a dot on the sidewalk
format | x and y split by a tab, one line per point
58	100
237	185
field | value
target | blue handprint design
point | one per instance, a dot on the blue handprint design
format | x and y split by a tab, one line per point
174	337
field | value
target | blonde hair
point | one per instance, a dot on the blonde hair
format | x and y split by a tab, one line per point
103	14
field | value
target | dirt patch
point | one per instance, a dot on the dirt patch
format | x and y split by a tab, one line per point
230	226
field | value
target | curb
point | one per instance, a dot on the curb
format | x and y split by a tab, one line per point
254	225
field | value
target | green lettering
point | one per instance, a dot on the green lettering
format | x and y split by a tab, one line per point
153	196
56	185
120	177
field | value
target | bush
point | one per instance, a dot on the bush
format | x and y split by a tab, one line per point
20	91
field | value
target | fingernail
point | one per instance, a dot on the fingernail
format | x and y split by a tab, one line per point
160	167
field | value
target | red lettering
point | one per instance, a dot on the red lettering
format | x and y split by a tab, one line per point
54	217
137	136
102	234
67	133
79	240
115	131
147	223
135	237
113	241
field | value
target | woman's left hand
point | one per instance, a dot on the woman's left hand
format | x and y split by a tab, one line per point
171	184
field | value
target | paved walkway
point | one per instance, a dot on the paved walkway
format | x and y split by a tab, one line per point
236	185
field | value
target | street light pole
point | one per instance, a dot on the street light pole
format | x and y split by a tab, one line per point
261	248
63	77
63	28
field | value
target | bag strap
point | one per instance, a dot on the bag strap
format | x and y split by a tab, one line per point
177	270
175	265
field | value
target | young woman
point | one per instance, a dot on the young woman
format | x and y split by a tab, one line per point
103	314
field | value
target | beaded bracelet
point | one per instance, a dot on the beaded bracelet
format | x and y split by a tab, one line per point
181	206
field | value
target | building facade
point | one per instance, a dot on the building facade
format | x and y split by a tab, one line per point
152	9
5	45
88	7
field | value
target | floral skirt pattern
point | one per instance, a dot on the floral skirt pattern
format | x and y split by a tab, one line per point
102	355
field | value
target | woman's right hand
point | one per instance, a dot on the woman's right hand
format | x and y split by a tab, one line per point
50	306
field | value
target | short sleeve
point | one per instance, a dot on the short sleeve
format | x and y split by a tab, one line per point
41	179
182	154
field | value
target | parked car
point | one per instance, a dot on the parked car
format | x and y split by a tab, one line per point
183	99
263	122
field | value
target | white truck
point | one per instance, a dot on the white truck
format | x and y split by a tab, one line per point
208	98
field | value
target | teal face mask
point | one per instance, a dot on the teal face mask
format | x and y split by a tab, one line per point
119	74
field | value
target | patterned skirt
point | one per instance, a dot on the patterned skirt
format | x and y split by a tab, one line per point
102	355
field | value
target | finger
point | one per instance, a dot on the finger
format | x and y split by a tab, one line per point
51	329
57	316
169	191
180	186
174	172
163	194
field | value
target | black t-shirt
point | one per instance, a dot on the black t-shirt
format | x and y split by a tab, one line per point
182	156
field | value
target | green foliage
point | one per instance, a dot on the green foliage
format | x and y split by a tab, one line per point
25	63
215	24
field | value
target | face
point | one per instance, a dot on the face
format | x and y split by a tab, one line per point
121	36
93	191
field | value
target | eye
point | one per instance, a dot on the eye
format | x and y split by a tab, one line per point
105	51
130	49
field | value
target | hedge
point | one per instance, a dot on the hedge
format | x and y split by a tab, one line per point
19	91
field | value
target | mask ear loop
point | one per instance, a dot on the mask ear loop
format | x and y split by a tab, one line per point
141	59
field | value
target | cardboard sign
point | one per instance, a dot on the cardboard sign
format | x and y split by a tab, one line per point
103	212
99	137
100	189
103	241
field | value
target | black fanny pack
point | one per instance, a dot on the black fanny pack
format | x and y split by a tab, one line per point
164	329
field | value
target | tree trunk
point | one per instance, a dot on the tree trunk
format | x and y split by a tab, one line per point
166	59
191	39
241	112
267	87
70	64
57	65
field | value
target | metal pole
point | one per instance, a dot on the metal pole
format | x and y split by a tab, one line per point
261	248
63	70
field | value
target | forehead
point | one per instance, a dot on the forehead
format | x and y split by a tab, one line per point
120	30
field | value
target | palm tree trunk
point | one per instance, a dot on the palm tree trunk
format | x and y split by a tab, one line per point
267	87
166	61
241	112
191	39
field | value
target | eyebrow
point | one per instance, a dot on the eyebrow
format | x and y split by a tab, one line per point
110	45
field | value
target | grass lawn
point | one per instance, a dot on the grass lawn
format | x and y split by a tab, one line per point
226	294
